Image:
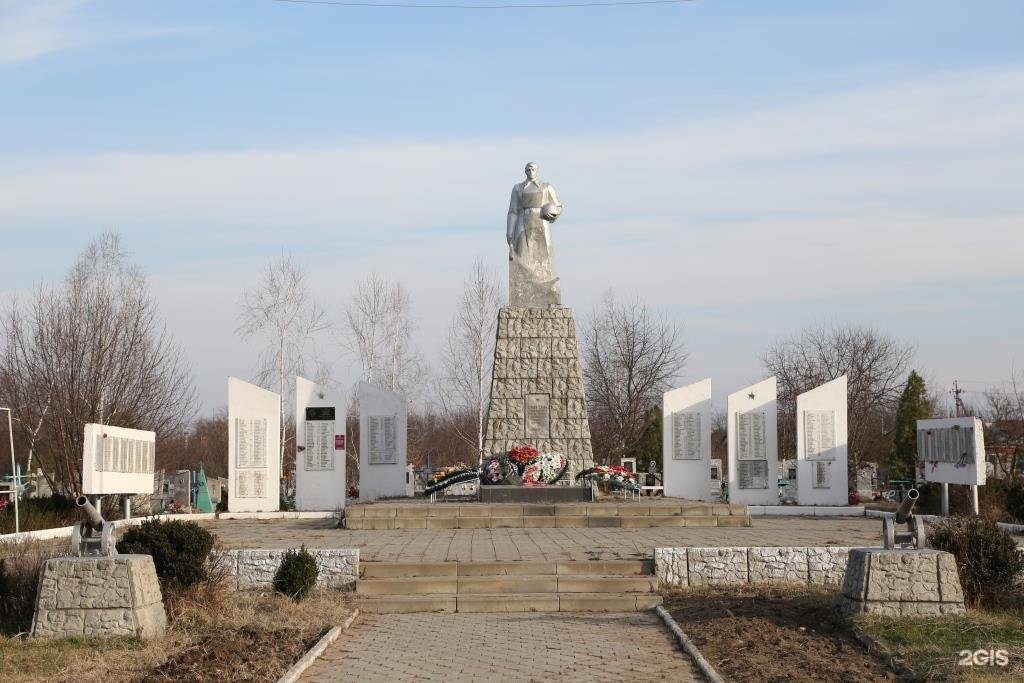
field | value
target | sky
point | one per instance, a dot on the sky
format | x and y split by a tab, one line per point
745	168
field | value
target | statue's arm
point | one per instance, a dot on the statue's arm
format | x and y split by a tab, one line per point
513	214
553	199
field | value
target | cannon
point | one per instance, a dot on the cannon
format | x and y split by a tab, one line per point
914	536
83	542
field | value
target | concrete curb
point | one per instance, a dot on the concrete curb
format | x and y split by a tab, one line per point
307	659
688	647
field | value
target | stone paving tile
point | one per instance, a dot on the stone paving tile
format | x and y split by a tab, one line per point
523	648
440	545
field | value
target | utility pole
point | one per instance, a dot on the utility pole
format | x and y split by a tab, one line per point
957	401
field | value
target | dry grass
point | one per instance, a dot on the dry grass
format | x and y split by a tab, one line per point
216	633
20	564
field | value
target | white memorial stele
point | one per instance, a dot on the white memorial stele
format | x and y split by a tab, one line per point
821	445
951	450
753	444
118	460
320	448
382	443
686	441
254	446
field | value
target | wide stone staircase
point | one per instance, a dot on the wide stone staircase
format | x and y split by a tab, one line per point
624	514
517	586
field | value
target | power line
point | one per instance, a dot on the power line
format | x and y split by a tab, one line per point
557	5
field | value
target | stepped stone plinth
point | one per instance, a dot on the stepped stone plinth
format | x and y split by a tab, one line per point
537	386
901	582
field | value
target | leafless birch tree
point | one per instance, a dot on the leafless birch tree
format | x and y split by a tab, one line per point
379	330
281	309
91	350
464	387
630	357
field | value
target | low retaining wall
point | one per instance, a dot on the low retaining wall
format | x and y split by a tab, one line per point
731	566
254	569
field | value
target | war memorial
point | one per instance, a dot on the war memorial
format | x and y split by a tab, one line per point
545	535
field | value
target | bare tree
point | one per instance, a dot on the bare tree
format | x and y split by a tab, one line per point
281	309
1004	415
630	357
379	327
464	387
876	366
91	350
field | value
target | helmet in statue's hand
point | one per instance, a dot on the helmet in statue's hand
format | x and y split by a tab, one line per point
550	212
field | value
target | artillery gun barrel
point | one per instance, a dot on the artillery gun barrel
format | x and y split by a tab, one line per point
93	518
905	510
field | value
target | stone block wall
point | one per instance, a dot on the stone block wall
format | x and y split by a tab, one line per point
902	582
99	596
732	566
255	569
536	354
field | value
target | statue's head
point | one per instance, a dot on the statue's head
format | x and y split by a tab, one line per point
531	171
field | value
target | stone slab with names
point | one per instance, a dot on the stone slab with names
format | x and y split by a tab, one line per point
752	444
686	441
952	450
821	448
320	443
117	460
254	447
383	418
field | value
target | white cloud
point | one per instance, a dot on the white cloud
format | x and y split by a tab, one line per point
849	194
30	29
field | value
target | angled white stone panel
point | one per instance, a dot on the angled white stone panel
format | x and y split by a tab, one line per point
254	446
821	445
686	441
753	444
320	447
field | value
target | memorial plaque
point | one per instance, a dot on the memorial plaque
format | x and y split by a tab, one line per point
319	453
250	442
822	474
750	443
819	434
123	454
686	435
383	440
538	416
947	444
243	484
753	474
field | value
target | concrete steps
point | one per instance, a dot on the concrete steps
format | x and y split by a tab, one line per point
568	586
631	515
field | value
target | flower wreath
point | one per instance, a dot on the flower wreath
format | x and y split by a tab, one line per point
449	476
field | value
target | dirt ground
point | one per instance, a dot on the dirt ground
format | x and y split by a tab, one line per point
768	635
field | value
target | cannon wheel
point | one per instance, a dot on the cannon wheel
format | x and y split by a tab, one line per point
888	533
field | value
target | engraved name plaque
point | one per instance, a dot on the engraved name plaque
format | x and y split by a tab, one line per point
753	474
538	416
947	444
686	435
319	453
822	474
750	442
819	434
250	442
383	440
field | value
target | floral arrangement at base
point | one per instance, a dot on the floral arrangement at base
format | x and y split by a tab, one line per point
522	455
498	470
449	476
613	476
547	468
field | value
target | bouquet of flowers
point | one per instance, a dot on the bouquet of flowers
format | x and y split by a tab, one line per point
611	475
523	455
546	469
447	476
497	469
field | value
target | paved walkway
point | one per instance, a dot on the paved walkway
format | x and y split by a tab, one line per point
481	545
503	647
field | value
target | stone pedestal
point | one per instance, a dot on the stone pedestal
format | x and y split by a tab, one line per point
901	582
537	386
99	596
